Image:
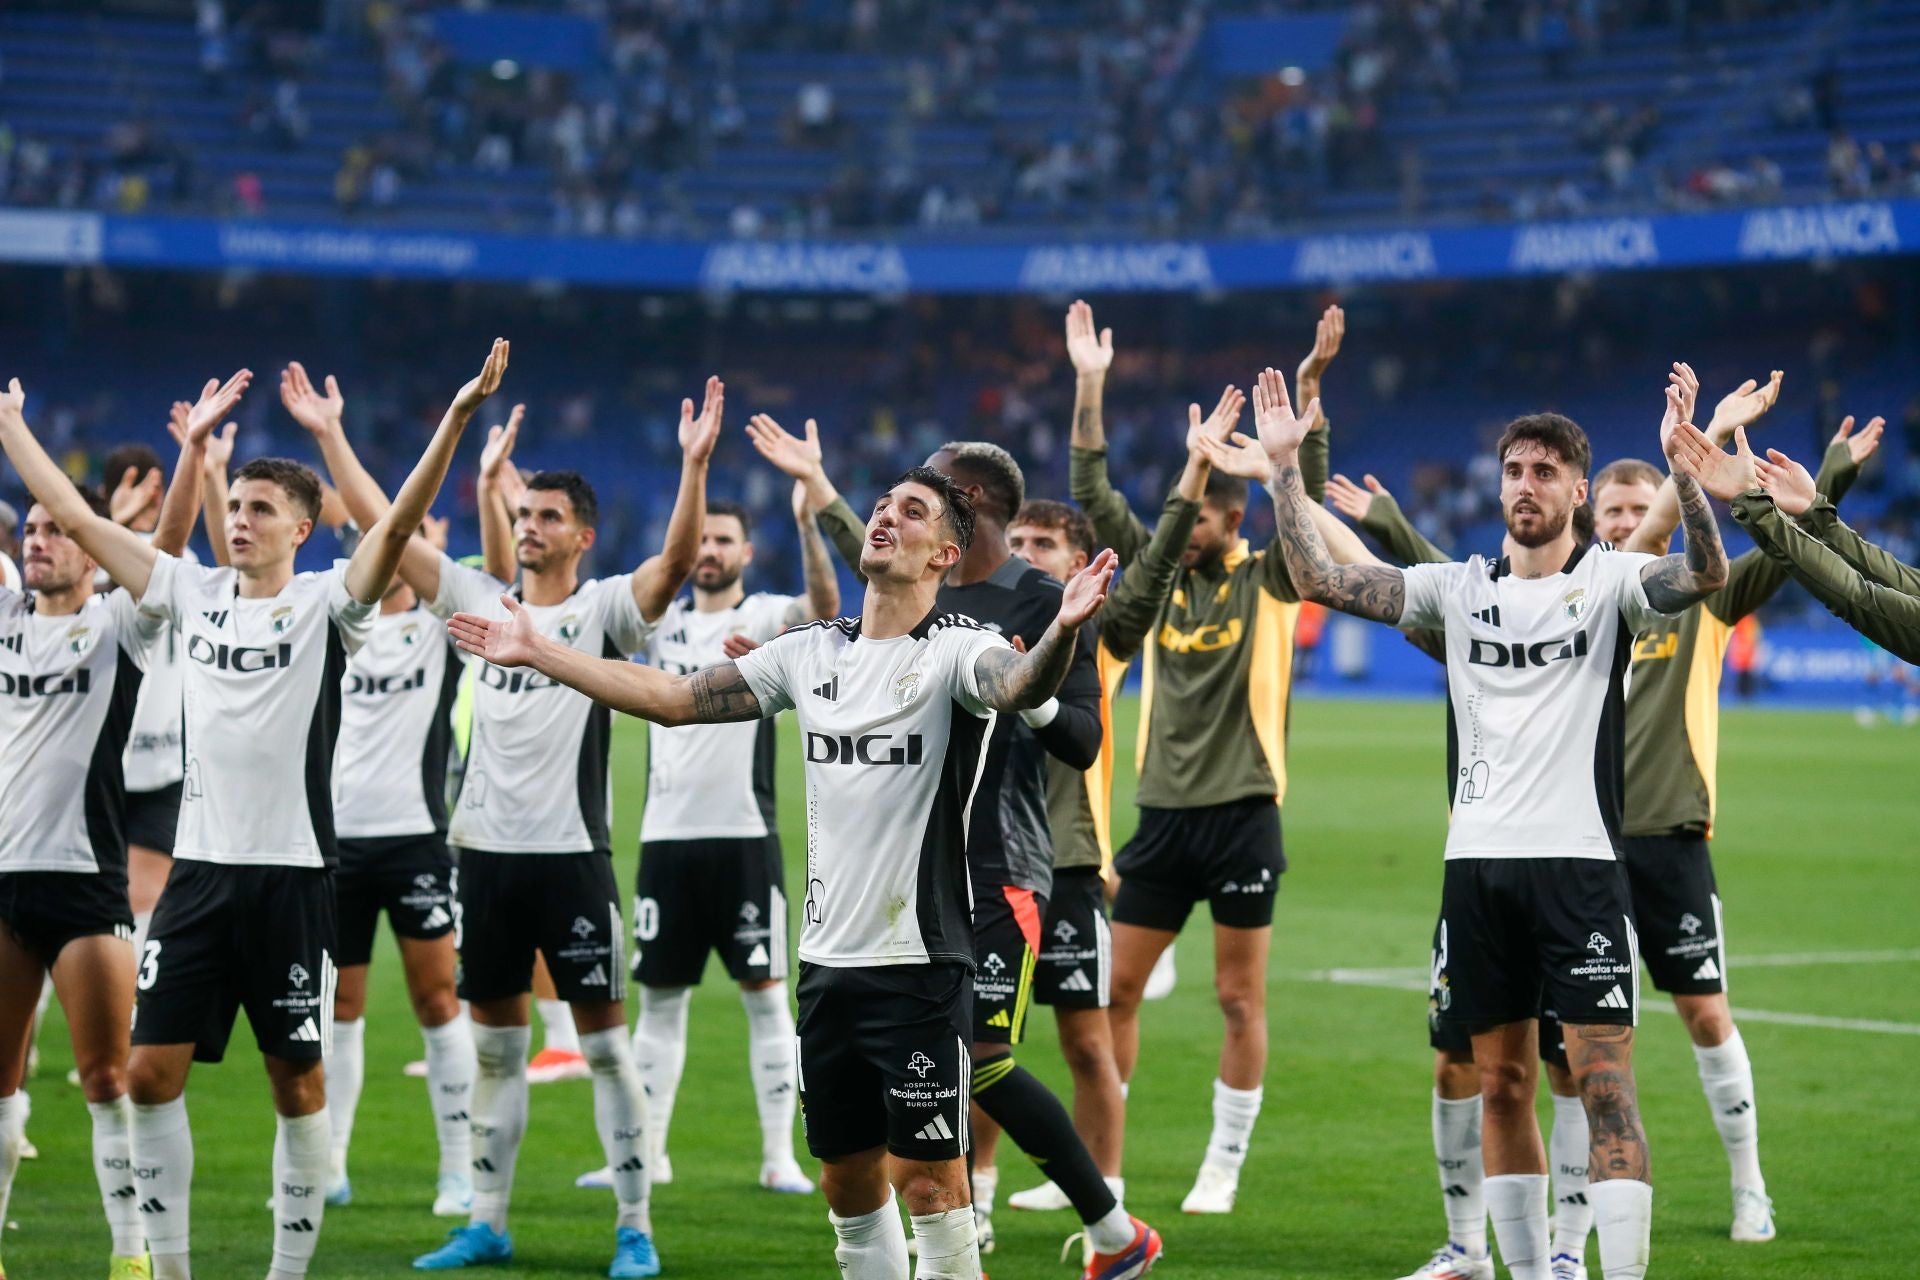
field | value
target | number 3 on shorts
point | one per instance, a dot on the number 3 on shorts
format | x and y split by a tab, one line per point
150	966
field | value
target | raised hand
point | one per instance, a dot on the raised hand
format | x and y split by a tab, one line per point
499	446
698	435
217	399
1091	352
800	459
1350	500
1238	455
511	641
1860	447
13	404
1086	590
486	382
1328	334
1281	430
736	647
1786	482
318	414
133	495
1725	476
1683	392
220	448
1743	406
1219	424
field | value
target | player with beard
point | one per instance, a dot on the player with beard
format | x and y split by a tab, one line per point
710	874
1009	852
247	917
389	796
1535	906
896	708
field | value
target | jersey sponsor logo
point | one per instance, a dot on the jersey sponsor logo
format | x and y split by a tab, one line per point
10	642
992	964
1065	931
920	1064
246	661
749	912
21	685
1598	943
1657	648
385	686
1204	639
867	749
830	691
517	680
1689	923
218	617
581	927
1489	615
298	977
1491	653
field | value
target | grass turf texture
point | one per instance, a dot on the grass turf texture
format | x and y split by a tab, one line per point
1815	854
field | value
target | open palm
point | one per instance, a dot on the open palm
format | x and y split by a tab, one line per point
1086	590
698	434
511	641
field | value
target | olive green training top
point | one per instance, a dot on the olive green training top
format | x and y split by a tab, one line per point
1675	680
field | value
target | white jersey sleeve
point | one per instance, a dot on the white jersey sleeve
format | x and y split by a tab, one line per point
353	618
958	644
1429	587
466	590
769	670
1621	572
619	614
9	573
156	754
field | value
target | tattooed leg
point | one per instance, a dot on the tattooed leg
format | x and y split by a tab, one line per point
1601	1058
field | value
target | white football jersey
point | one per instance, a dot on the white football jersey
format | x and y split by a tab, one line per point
156	748
396	728
895	736
262	697
1536	688
67	689
10	574
536	778
710	781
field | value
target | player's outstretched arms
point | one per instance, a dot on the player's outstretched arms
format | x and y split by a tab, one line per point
191	426
498	506
708	696
1011	681
1367	591
822	597
386	541
1673	583
127	558
1090	351
660	577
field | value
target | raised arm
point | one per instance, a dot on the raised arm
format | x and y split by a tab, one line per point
1675	582
802	460
1796	494
382	545
191	426
1011	681
1367	591
1090	351
496	518
1889	618
1741	407
708	696
822	598
1133	606
660	577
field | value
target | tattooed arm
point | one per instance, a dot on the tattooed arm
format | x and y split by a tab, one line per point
1010	681
1676	582
708	696
1376	591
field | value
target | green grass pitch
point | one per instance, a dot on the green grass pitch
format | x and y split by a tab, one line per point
1817	857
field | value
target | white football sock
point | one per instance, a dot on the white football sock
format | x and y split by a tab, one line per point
13	1123
770	1057
1517	1203
113	1169
163	1172
1726	1073
450	1072
871	1246
142	922
301	1148
1234	1111
499	1117
1568	1150
171	1266
556	1026
949	1248
985	1180
660	1055
1456	1150
346	1072
1112	1233
1623	1219
620	1113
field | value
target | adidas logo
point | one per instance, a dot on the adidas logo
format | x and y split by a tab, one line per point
1076	981
302	1225
1577	1198
935	1131
830	691
759	954
598	978
1615	999
999	1019
1456	1191
633	1164
1489	615
125	1193
1739	1108
437	917
306	1032
483	1165
10	642
218	617
152	1206
1708	969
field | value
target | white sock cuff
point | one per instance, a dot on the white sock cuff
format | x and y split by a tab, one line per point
445	1036
861	1223
503	1049
118	1109
1514	1186
1620	1199
349	1030
1226	1093
164	1117
767	1011
607	1050
1728	1058
1456	1105
304	1128
1566	1109
665	1002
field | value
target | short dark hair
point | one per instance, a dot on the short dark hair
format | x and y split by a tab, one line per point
727	507
993	469
1557	434
1226	491
956	506
586	507
140	457
1583	523
1627	471
1064	516
298	479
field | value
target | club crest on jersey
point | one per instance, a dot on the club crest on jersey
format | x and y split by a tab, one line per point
281	619
905	690
920	1064
1598	943
570	628
410	634
1575	604
79	639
